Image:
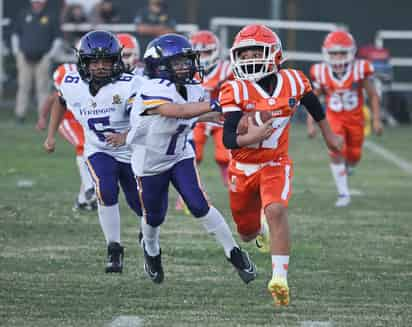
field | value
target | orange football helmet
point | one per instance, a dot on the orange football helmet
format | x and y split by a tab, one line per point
339	50
254	37
130	51
208	46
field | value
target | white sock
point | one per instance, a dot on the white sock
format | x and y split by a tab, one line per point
151	238
264	229
81	197
85	177
109	217
280	265
341	178
215	224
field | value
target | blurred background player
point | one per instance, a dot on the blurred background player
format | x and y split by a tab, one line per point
343	79
171	103
260	170
130	53
36	39
216	71
100	95
152	21
72	131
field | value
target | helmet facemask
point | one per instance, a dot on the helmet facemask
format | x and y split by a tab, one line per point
184	67
256	61
339	58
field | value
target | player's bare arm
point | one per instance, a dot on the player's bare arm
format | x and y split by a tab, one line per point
211	117
375	106
334	142
186	110
314	107
45	110
56	116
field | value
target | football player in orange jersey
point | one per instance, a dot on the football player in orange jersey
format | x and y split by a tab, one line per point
342	79
130	53
260	170
216	71
72	131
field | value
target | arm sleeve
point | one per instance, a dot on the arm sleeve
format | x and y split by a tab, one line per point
229	129
313	106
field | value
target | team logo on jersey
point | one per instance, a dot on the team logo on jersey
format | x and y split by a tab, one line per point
117	99
292	102
250	106
271	101
44	20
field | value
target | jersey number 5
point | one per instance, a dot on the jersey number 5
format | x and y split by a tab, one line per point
97	126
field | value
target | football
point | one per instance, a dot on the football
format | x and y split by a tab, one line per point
259	118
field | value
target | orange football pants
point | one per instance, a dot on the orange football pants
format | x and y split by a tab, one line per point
353	137
253	187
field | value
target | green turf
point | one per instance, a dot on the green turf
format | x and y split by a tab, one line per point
351	267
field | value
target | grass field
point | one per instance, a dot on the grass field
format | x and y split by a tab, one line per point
349	267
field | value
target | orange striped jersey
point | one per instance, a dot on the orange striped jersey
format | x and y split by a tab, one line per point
247	96
58	76
60	72
344	97
214	79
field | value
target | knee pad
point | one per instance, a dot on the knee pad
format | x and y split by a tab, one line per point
155	219
199	209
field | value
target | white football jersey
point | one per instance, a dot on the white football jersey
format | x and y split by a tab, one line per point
160	142
107	111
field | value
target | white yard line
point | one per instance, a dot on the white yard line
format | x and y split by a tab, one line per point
403	164
126	321
312	323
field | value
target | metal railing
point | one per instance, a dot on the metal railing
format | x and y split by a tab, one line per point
221	25
380	38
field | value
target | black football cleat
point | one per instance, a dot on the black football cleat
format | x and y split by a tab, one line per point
244	266
153	266
114	258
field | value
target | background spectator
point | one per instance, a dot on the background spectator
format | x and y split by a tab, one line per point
35	40
104	12
73	14
153	21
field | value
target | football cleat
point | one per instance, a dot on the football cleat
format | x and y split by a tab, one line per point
278	287
114	258
84	206
153	266
244	266
343	201
91	199
263	240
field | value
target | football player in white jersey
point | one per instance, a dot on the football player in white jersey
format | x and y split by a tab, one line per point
100	96
164	113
